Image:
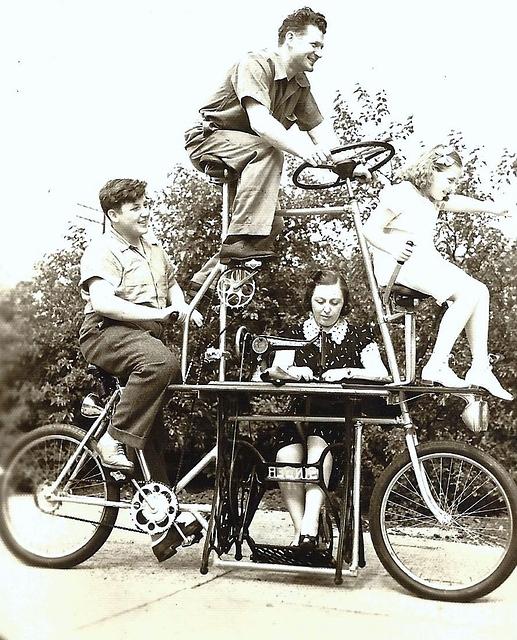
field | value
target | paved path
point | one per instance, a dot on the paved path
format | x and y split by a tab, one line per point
123	594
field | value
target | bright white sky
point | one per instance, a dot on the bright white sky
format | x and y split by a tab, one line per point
95	89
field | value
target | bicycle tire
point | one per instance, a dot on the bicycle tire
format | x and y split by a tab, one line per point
460	561
49	533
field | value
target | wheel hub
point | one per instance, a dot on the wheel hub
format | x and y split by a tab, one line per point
45	499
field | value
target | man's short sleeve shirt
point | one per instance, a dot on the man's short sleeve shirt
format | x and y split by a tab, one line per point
263	77
142	275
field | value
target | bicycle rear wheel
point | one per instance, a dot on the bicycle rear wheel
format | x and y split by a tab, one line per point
58	529
465	558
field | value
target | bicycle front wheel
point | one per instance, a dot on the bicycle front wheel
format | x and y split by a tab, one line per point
55	527
468	551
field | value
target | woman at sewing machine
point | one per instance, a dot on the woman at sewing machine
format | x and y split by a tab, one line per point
335	351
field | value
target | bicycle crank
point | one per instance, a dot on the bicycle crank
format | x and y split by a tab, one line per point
154	507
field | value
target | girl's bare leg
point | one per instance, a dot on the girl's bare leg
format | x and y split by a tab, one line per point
462	307
480	373
477	327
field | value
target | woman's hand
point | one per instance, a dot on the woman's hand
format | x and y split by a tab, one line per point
301	373
336	375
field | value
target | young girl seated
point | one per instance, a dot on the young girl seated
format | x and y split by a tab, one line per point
406	214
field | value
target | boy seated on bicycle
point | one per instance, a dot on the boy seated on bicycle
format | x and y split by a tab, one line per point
128	283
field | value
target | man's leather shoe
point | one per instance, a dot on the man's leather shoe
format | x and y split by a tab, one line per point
112	454
166	544
245	249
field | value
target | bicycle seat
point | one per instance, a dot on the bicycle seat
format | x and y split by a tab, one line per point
404	297
407	292
101	374
217	170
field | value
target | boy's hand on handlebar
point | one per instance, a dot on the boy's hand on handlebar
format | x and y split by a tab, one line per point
170	314
196	318
180	310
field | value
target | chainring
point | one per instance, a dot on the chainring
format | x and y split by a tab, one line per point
236	287
154	507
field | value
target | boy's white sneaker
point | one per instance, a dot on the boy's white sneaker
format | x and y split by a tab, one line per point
112	454
442	374
483	377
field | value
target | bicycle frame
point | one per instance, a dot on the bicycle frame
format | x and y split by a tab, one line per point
96	429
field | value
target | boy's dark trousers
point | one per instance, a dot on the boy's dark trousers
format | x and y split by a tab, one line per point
134	352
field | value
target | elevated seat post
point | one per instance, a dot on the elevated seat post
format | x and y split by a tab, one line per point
382	318
220	174
410	345
380	311
228	196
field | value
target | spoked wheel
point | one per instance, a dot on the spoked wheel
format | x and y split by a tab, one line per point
469	554
62	527
372	155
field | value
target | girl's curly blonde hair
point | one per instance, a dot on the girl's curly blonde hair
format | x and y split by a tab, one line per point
439	158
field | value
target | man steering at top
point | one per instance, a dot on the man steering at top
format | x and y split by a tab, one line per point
245	124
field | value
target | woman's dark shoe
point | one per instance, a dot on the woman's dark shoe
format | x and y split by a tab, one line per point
307	542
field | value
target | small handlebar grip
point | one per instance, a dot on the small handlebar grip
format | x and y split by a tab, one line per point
411	244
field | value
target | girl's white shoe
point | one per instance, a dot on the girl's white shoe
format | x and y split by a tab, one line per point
442	374
483	377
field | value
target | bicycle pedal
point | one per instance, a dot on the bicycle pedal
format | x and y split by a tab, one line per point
119	477
193	539
253	264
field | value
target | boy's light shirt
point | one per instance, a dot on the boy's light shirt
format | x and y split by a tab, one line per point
142	279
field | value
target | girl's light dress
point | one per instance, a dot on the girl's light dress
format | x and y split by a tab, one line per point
412	216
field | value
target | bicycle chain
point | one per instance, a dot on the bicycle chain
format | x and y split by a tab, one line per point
111	526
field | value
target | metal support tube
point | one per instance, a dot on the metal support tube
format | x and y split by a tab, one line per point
143	464
222	306
204	462
410	347
381	318
111	403
300	418
313	211
284	568
421	478
193	305
386	337
357	495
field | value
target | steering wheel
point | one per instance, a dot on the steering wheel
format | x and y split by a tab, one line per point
371	155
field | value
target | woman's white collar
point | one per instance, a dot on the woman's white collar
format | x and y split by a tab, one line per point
337	333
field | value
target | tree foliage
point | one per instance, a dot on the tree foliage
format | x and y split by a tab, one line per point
43	374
